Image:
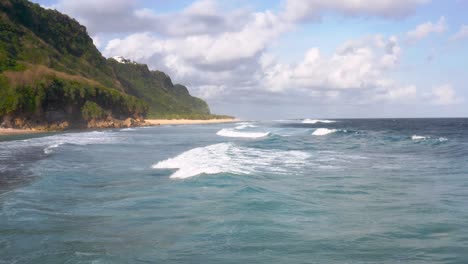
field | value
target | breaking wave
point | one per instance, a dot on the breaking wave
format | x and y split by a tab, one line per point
231	158
50	149
128	129
323	131
81	139
423	138
244	126
416	137
229	132
316	121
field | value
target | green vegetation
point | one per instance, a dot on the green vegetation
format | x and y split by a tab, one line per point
35	35
197	116
165	100
74	99
50	70
91	110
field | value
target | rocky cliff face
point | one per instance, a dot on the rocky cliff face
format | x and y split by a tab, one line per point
63	124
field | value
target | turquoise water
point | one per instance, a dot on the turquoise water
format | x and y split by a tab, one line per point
289	191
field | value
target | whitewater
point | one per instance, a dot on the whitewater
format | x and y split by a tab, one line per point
286	191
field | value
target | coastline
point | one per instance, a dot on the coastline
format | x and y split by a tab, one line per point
15	131
148	122
157	122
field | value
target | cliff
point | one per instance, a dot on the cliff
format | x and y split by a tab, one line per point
53	77
156	88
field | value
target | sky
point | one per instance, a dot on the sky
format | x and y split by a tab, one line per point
295	58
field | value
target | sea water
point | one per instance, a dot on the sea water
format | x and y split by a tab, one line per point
286	191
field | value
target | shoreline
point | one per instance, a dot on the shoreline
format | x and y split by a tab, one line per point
148	122
16	131
160	122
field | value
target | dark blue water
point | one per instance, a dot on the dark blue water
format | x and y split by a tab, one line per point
289	191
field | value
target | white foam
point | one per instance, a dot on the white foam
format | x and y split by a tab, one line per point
244	123
228	132
51	148
50	143
244	126
417	138
81	139
316	121
323	131
231	158
422	138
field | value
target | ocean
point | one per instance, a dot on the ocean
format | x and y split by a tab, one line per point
284	191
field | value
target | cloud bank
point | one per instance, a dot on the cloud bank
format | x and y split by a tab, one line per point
223	53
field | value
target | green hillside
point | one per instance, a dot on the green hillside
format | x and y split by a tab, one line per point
51	73
164	98
34	35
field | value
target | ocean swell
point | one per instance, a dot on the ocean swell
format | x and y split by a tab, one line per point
417	138
316	121
80	139
228	132
231	158
244	126
323	131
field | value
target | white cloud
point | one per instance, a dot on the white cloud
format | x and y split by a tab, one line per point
237	62
297	10
106	16
356	65
461	34
209	91
203	7
423	30
219	54
444	95
397	94
97	41
126	16
225	54
103	7
207	17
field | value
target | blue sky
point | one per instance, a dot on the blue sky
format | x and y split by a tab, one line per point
295	58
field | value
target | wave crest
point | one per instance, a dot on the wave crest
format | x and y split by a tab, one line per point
80	139
230	158
423	138
50	149
228	132
244	126
323	131
416	137
128	129
316	121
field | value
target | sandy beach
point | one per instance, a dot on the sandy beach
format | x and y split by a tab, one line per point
150	122
155	122
12	131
